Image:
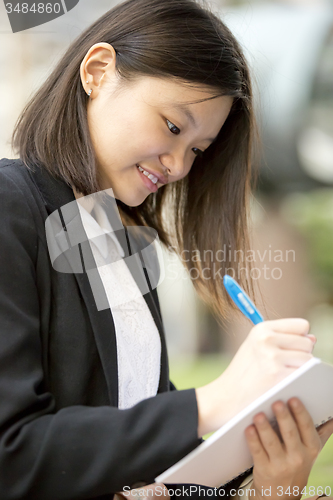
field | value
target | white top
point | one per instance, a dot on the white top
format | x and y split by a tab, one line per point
137	337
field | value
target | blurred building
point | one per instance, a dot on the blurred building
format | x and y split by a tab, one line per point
28	57
289	46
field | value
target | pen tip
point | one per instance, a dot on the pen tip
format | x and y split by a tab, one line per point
227	279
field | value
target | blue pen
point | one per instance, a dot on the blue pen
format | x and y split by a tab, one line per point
242	301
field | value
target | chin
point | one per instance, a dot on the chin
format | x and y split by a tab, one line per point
131	201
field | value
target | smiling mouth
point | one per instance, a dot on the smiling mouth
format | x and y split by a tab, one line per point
148	179
152	177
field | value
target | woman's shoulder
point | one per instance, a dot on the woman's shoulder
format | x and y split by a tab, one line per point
20	227
13	167
18	184
18	195
8	165
14	174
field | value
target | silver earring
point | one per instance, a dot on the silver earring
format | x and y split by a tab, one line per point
87	81
89	93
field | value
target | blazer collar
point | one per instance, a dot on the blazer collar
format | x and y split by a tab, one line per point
55	194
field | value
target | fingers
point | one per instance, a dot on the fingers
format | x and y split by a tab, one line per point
313	338
307	430
161	487
300	440
293	359
149	492
263	441
294	342
256	448
298	326
325	431
288	428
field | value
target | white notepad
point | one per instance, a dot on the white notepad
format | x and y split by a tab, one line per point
225	455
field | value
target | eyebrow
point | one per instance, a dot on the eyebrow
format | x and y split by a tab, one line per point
188	113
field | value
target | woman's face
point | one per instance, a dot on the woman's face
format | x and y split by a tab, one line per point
150	125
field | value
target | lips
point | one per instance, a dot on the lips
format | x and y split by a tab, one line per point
146	181
161	178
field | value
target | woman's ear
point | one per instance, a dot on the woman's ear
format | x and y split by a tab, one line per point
98	65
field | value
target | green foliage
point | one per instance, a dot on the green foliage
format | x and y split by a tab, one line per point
322	472
312	214
188	373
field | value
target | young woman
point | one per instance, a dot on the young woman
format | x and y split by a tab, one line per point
159	86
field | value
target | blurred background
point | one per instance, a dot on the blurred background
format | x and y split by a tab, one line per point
289	47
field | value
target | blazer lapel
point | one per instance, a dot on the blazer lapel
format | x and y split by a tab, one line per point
56	194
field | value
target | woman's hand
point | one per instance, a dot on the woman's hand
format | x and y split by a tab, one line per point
325	431
271	351
282	465
156	491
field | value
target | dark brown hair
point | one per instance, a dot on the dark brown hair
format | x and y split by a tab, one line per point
206	210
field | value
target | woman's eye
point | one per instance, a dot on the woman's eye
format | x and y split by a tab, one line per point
175	130
198	152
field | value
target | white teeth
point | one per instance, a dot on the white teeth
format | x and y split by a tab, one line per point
147	174
152	178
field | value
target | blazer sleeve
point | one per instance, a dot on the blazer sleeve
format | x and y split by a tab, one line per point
77	452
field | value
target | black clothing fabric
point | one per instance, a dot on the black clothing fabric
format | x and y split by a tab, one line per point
62	436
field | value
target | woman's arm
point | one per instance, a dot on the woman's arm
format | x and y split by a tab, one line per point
78	451
271	351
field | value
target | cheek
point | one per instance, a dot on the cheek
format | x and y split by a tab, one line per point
190	159
187	171
149	142
100	131
129	133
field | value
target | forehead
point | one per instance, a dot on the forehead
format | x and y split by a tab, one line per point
205	112
172	91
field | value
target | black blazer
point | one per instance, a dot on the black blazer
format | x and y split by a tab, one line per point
61	433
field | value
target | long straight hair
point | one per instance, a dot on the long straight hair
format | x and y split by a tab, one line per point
207	210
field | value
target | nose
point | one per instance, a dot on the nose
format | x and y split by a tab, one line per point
175	164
